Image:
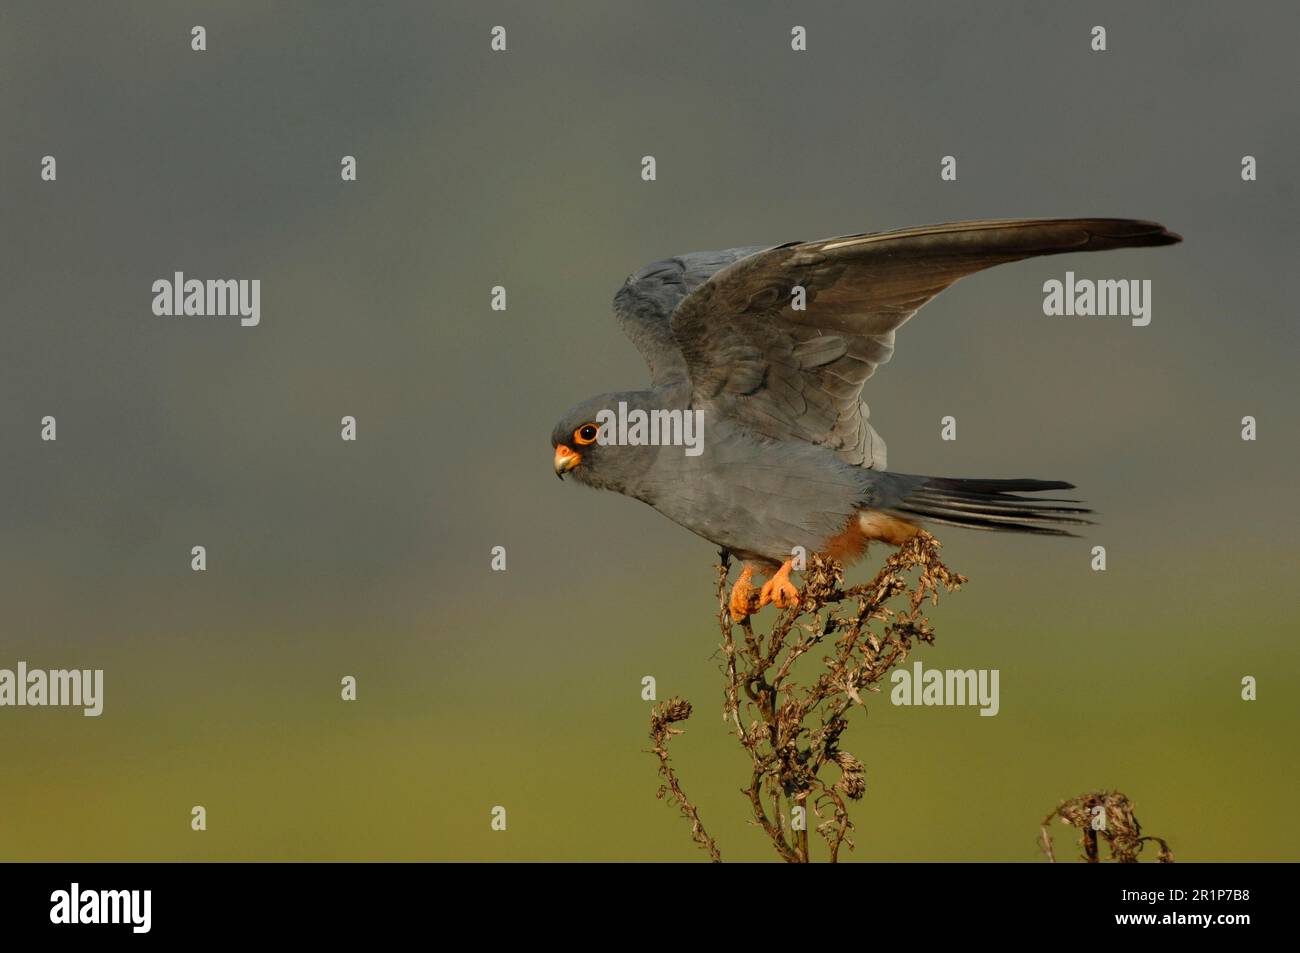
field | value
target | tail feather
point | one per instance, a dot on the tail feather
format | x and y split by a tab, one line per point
995	486
993	505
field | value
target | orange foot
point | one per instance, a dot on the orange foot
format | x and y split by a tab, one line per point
779	590
742	595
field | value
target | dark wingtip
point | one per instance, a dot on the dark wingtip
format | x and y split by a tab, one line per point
1165	236
1138	232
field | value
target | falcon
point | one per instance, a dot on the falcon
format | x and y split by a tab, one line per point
771	347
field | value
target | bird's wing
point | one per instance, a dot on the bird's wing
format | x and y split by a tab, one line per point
647	299
799	373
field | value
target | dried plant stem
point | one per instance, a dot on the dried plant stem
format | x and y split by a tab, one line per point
794	729
1120	828
790	725
662	718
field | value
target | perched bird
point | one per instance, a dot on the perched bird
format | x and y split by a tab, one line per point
768	348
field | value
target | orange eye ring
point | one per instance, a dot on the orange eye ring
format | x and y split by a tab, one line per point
586	435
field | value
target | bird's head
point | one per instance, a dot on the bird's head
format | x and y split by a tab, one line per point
584	445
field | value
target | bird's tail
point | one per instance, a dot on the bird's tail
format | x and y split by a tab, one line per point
993	505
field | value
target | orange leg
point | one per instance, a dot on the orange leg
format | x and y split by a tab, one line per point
779	590
742	595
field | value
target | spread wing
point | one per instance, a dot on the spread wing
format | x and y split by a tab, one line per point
647	299
799	373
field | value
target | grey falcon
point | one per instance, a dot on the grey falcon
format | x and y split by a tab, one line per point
788	458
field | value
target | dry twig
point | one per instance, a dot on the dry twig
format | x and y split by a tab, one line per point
792	730
1118	826
662	718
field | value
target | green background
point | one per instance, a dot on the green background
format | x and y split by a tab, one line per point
522	169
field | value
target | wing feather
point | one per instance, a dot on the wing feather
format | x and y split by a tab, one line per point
647	299
799	373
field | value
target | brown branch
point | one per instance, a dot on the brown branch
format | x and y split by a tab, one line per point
788	714
797	726
662	718
1121	831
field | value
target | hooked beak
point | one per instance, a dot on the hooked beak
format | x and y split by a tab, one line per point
565	460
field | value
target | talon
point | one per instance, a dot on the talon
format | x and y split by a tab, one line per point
742	595
779	590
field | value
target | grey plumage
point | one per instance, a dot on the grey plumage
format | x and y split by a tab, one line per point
789	456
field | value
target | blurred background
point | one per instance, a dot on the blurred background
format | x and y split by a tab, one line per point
372	559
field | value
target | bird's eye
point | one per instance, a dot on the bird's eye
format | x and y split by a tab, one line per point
586	434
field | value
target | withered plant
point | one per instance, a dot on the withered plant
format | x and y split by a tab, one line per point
1107	816
792	731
